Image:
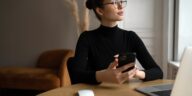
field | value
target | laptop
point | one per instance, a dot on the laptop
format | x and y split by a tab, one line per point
182	84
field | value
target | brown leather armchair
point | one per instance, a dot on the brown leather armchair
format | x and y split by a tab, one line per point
50	72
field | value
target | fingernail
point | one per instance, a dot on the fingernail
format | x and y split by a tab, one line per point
116	56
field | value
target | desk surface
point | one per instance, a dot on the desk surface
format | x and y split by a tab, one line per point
105	89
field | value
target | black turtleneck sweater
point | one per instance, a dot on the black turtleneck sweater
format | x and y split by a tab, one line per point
95	50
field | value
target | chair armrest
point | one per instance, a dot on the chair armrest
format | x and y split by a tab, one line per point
64	74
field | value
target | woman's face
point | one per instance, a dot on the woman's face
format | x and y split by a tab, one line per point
112	10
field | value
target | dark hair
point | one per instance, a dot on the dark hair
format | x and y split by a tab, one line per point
93	4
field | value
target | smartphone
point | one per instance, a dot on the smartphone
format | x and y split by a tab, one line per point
126	58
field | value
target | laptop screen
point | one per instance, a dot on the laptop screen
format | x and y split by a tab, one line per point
183	82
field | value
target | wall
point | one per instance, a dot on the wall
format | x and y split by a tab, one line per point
29	27
145	18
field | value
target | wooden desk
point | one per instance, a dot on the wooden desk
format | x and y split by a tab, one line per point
105	89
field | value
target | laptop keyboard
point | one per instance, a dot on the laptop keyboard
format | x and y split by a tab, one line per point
163	93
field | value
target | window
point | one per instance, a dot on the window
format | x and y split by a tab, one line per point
183	29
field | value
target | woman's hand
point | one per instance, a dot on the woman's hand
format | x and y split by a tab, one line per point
115	75
139	74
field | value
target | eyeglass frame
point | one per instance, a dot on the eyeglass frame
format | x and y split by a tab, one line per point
117	3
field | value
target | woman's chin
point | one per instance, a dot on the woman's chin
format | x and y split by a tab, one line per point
119	19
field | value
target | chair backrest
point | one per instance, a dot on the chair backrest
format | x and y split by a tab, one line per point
51	59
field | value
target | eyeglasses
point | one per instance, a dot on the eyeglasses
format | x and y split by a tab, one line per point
118	3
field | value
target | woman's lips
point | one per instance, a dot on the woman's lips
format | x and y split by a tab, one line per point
120	13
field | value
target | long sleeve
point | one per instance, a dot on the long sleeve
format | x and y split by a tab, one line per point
152	70
79	72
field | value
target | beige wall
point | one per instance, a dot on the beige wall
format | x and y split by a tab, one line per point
28	27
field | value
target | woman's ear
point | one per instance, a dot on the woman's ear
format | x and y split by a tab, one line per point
99	11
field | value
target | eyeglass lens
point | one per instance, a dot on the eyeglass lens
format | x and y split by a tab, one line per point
121	3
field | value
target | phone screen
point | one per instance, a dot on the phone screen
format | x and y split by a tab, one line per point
126	58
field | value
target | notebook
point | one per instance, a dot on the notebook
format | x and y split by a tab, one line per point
182	84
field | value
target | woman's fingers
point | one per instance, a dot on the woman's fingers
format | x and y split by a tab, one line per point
114	64
116	75
128	75
125	67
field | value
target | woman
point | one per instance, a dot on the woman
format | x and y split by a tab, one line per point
94	60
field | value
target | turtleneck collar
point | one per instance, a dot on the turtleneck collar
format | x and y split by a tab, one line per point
108	30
